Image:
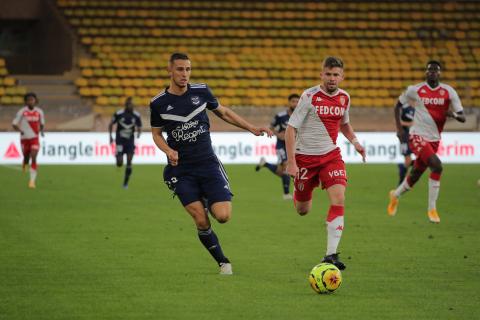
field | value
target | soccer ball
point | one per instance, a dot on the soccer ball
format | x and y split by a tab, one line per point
325	278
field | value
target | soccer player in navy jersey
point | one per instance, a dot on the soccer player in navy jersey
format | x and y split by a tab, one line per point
127	121
193	171
278	126
404	114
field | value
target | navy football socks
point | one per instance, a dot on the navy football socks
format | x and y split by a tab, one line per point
402	171
286	183
210	242
128	172
271	167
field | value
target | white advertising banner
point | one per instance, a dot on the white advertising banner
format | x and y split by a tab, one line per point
230	147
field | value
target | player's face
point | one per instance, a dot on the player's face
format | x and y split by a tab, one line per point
433	72
331	77
292	103
129	106
31	101
180	71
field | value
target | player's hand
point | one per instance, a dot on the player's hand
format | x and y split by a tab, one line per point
360	149
172	156
42	134
292	169
259	131
400	134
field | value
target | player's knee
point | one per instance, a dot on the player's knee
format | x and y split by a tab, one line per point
302	208
437	168
302	211
223	218
338	200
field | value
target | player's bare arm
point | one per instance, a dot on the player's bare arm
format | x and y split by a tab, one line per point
42	133
159	140
228	115
139	132
290	134
398	121
16	128
348	132
110	127
280	135
459	116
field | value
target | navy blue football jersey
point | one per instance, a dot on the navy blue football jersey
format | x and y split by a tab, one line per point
185	120
280	123
126	122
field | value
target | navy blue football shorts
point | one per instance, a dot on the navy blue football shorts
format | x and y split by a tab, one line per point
195	182
281	155
124	146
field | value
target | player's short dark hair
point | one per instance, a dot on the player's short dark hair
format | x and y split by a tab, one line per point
293	96
30	94
332	62
436	62
128	100
178	56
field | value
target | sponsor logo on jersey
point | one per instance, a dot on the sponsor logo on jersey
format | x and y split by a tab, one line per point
195	100
330	110
169	107
184	132
31	118
423	91
318	99
433	101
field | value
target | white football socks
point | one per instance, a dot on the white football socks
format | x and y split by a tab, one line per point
334	233
433	191
402	188
33	174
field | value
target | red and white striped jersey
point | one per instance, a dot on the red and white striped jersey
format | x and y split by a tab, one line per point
431	107
317	119
29	121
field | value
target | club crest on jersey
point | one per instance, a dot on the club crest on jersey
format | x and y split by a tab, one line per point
300	186
342	100
442	92
195	100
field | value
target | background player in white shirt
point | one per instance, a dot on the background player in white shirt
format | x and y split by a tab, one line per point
314	157
30	122
434	102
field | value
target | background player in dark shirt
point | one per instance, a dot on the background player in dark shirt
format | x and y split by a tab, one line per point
127	121
193	172
404	114
278	126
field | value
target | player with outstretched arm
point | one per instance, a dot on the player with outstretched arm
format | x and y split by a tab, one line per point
313	156
193	172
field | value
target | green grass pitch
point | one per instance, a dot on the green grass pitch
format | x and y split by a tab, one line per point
81	247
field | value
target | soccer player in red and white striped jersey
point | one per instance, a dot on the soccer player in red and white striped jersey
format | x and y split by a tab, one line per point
434	102
313	156
30	122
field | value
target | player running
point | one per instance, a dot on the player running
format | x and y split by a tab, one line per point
278	126
313	156
30	122
193	172
404	114
434	102
127	121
